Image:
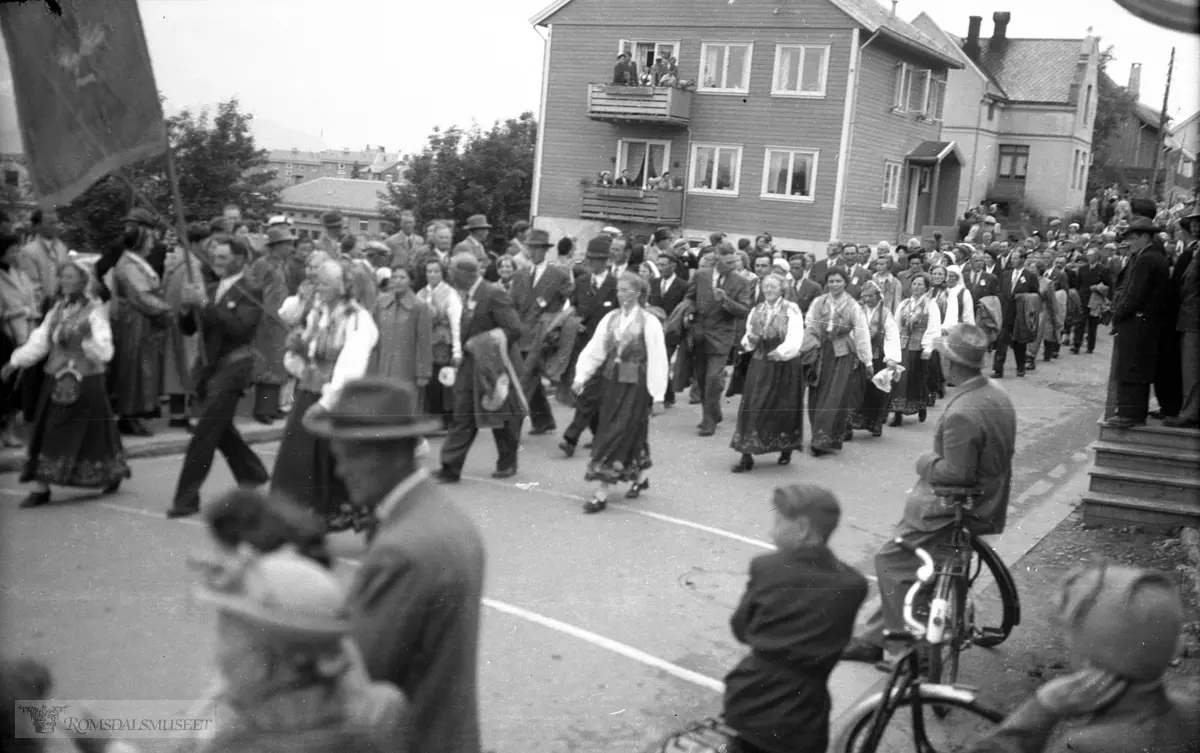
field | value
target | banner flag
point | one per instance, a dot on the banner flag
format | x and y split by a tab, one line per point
86	100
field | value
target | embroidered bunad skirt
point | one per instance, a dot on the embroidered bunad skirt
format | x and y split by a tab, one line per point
910	395
77	444
621	449
830	403
770	417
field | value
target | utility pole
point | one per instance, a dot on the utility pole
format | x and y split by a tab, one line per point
1162	130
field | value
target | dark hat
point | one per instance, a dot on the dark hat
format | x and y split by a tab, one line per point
622	55
538	239
1142	225
964	344
662	234
811	501
142	216
373	408
278	235
1191	214
477	222
598	247
331	219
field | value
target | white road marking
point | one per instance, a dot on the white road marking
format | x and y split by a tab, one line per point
1057	472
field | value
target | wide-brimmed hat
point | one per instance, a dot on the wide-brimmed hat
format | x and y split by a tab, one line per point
1142	225
331	219
142	216
964	344
283	592
477	222
278	235
598	247
373	408
538	239
1190	214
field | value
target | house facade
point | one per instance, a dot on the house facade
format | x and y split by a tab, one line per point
293	166
1023	112
357	200
1185	141
813	120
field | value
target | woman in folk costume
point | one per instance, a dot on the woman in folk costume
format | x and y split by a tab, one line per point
140	317
771	415
890	288
630	354
836	346
919	322
446	307
885	354
331	347
939	295
75	441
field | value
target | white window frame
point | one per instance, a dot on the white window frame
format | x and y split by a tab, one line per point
777	78
633	43
891	192
725	73
623	154
694	163
812	175
930	105
364	226
903	87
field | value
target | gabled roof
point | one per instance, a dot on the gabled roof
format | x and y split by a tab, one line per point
1178	127
359	196
1151	116
867	13
369	157
1030	70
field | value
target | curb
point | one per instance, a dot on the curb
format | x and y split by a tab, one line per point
1191	541
169	444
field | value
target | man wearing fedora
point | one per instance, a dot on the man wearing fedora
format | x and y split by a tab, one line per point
475	244
540	292
595	295
268	273
973	446
415	600
1139	314
1187	323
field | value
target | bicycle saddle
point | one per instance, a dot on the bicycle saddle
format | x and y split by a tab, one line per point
899	636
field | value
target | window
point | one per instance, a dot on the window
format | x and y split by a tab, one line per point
1014	162
725	67
1085	159
316	235
937	98
715	168
363	226
800	70
1087	105
891	184
991	110
789	174
297	178
645	160
912	90
647	53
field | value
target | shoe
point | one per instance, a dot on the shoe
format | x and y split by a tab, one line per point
35	499
135	428
877	433
1075	350
848	435
1020	373
1032	366
942	393
588	444
897	420
1091	351
1123	422
1178	422
922	415
817	453
707	431
594	505
182	512
179	423
446	475
785	458
636	490
112	488
997	373
744	465
859	650
567	447
1156	414
668	403
504	472
538	431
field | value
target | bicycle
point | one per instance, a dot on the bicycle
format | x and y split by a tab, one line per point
907	687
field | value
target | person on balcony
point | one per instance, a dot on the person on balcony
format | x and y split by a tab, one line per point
605	180
647	77
624	181
625	73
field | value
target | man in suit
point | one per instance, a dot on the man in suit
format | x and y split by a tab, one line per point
979	281
803	291
722	300
414	603
973	446
1187	322
405	245
438	250
486	306
667	292
594	296
1139	315
1017	281
1091	274
1168	380
475	244
540	292
856	274
228	315
819	270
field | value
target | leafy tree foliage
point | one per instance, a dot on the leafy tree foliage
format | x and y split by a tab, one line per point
216	160
1114	107
460	173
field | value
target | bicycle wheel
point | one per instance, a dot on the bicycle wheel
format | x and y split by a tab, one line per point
995	604
943	658
967	721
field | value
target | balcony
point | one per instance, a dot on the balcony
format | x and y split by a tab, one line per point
1007	189
632	205
655	105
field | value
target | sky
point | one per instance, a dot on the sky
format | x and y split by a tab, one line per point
348	73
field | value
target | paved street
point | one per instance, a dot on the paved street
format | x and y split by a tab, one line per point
602	633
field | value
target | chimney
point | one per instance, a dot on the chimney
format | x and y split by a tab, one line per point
1135	80
894	4
971	46
1000	33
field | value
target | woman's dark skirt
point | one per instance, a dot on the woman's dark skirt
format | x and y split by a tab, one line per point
304	471
771	415
935	379
76	444
837	393
910	395
872	410
621	449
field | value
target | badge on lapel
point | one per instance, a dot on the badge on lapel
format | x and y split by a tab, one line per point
541	302
231	305
471	306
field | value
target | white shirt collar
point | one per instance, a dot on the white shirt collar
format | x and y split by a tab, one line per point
226	284
395	496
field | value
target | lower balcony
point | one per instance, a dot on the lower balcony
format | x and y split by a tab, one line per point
652	105
632	205
1005	190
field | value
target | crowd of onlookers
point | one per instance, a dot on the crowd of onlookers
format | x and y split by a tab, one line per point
663	72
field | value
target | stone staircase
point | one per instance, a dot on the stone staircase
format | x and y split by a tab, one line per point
1147	476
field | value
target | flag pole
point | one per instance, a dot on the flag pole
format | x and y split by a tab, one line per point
181	224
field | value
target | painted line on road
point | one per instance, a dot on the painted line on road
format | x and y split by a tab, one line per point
587	636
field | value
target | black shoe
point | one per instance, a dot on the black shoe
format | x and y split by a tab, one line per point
897	420
112	488
877	433
1091	351
504	472
264	419
35	499
848	434
859	650
567	447
941	393
707	431
1075	350
1022	373
922	415
593	506
636	490
1157	414
1123	422
538	431
1031	366
135	428
182	512
669	403
817	453
997	373
446	475
785	458
743	465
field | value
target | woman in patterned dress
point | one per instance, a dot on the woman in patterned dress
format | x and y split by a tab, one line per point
919	323
885	353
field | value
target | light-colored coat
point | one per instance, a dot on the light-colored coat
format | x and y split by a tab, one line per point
405	349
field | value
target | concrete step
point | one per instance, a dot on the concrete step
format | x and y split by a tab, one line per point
1117	510
1154	435
1148	458
1151	487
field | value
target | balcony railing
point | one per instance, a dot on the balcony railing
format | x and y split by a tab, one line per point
661	105
1007	189
632	205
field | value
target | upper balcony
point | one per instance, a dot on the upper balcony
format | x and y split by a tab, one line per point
655	105
632	205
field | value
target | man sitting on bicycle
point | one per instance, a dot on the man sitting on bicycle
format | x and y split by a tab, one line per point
973	447
1122	626
796	616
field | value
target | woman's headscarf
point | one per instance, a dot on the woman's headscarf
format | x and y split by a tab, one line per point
954	268
85	290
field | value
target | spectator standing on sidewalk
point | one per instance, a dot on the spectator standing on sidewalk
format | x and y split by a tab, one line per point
1188	325
1138	317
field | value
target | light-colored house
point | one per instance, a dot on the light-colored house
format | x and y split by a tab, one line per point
811	119
293	166
357	200
1023	112
1185	138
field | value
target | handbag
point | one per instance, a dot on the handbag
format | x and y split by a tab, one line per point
68	385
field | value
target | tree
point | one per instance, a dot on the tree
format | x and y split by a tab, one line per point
216	160
461	173
1115	106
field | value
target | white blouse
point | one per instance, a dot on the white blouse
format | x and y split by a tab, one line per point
953	315
790	347
446	300
596	351
891	332
98	346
